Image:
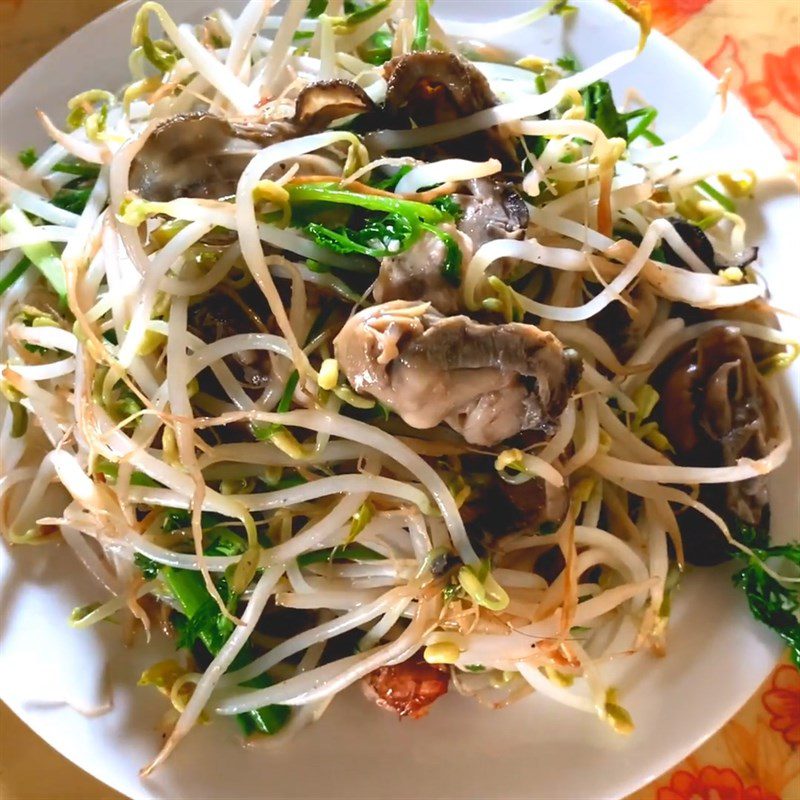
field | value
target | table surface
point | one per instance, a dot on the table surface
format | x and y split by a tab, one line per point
755	756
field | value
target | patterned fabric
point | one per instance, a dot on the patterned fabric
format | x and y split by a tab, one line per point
758	41
755	756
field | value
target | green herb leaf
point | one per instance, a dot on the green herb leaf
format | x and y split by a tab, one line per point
147	566
377	238
600	109
447	204
267	719
451	268
202	621
176	519
752	536
331	193
770	601
73	200
338	240
389	184
568	63
377	49
27	157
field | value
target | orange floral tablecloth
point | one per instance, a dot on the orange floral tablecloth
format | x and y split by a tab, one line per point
755	756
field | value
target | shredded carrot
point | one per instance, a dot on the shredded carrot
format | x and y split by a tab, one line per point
570	601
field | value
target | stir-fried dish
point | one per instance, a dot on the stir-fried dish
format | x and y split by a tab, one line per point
343	348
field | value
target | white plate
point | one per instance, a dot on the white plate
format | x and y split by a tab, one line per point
717	654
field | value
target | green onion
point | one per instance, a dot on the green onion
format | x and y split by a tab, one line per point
635	114
363	14
80	168
389	184
715	194
42	254
652	138
213	629
315	8
73	200
647	119
451	268
330	193
347	552
377	49
286	398
420	41
320	322
14	274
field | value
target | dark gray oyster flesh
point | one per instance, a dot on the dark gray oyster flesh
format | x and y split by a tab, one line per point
431	87
203	155
491	210
488	382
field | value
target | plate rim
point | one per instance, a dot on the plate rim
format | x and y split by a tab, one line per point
40	724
